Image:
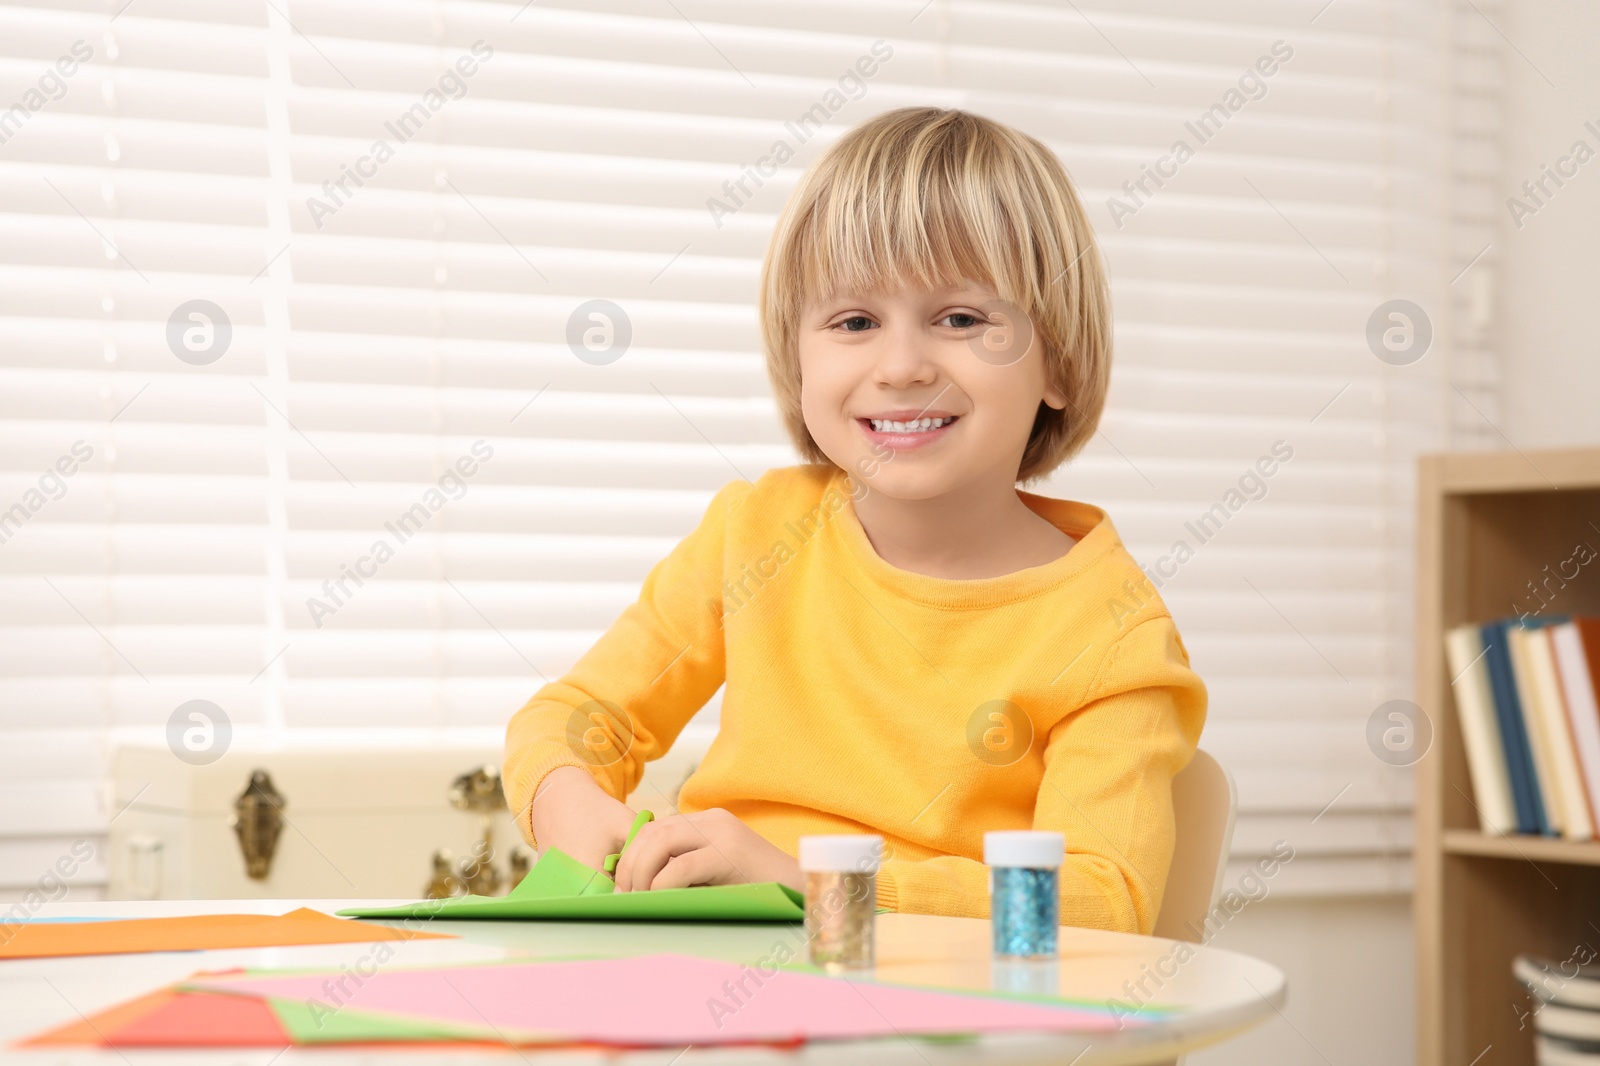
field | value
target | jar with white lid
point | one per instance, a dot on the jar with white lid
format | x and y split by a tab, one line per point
1024	891
841	898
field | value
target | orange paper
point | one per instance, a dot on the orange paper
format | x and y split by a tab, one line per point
91	1029
35	940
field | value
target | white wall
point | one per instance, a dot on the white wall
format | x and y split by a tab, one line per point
1351	990
1548	271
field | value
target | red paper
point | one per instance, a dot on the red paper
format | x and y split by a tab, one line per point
203	1019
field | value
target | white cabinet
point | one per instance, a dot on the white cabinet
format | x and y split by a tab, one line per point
355	822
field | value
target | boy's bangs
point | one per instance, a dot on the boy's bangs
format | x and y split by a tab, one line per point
889	224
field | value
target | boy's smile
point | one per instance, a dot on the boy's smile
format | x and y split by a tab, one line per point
903	430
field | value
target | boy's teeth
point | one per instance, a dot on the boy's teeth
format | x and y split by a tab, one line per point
916	425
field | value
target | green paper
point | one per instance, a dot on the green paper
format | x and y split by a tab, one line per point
307	1025
561	888
558	874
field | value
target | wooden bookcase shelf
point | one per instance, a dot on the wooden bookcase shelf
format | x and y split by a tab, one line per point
1521	849
1487	525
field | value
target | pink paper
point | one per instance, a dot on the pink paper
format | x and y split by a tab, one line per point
666	1000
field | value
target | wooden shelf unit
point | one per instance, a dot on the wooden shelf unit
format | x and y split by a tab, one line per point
1529	849
1487	524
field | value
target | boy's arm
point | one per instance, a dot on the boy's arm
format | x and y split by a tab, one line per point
625	701
1107	786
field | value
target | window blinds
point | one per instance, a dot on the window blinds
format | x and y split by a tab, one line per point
303	292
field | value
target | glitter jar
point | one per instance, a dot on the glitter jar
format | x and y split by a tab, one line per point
1024	891
841	898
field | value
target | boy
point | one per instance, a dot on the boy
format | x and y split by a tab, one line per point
910	645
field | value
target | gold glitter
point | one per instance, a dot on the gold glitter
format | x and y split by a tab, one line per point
841	912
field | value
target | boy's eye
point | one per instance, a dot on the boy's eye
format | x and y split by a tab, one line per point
961	320
856	323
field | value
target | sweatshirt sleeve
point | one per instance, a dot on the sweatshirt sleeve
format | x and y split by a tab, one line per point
1107	787
630	695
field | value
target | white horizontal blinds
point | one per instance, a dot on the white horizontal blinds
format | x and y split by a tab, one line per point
1476	81
569	159
132	556
619	151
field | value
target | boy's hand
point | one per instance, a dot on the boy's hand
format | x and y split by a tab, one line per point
572	812
708	848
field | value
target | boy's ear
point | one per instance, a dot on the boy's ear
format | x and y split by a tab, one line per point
1054	396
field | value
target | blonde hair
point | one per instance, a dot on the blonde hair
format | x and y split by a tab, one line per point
926	196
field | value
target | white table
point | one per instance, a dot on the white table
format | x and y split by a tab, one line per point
1223	993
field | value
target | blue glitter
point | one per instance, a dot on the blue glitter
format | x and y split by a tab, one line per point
1025	908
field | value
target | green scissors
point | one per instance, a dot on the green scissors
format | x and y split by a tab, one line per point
639	823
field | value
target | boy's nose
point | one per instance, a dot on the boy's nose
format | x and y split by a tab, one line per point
902	360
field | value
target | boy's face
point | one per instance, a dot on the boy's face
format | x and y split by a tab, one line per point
876	367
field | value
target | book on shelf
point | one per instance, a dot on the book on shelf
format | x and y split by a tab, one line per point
1575	820
1513	731
1498	812
1540	752
1527	699
1576	647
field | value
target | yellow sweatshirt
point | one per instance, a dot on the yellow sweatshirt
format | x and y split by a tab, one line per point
862	698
